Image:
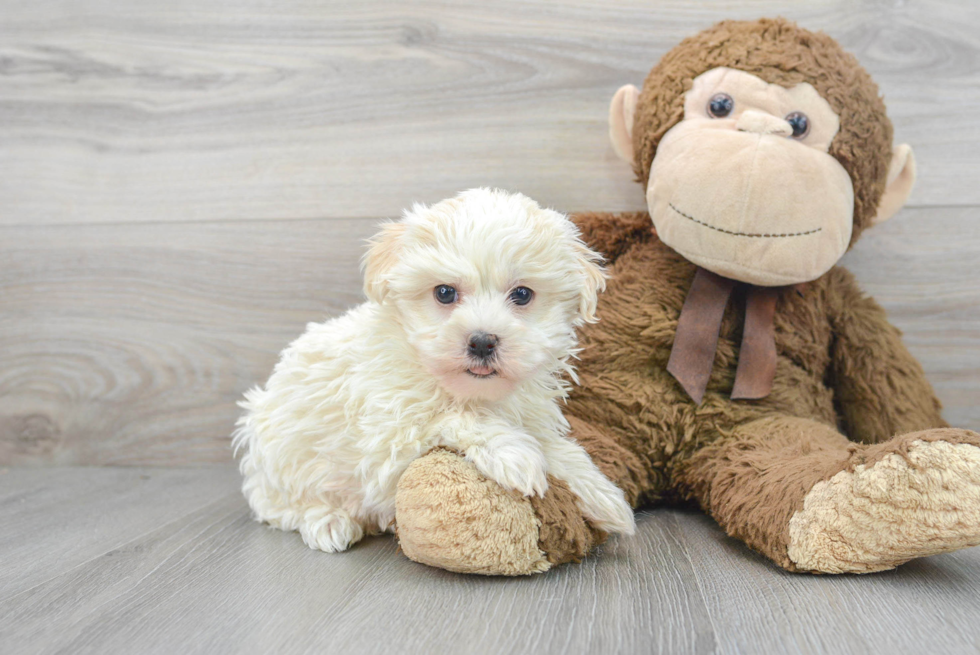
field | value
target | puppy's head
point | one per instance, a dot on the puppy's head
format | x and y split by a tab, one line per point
488	287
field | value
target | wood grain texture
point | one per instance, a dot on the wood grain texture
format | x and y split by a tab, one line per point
204	578
57	520
177	111
131	344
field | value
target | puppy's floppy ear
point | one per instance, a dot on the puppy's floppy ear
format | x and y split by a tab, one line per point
381	256
593	281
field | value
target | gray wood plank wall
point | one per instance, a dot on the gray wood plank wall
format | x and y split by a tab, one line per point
184	185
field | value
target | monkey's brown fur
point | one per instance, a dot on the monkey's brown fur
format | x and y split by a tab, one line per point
840	365
844	381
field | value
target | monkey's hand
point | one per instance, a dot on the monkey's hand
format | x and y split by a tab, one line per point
452	517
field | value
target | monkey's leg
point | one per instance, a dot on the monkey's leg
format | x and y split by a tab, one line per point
803	495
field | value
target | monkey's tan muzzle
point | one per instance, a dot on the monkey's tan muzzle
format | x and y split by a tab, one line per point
750	205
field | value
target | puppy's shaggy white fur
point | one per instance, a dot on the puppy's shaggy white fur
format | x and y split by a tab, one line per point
465	342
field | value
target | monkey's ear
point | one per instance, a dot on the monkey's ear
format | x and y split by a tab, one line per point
621	112
381	256
901	178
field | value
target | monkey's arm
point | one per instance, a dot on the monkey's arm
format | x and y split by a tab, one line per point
612	234
880	388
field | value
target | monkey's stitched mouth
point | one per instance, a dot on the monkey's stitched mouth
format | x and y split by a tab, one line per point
744	234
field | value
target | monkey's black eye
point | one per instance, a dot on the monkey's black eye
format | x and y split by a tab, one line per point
521	296
720	105
800	124
446	294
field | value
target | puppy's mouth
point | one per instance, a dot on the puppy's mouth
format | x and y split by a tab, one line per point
482	371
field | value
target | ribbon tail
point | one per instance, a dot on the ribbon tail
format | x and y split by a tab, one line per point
757	356
693	354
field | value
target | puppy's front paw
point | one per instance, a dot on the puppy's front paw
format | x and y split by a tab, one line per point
512	461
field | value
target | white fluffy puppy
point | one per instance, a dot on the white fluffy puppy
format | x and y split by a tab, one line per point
465	342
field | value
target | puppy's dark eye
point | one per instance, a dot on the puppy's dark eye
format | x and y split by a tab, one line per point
800	124
521	296
446	294
720	105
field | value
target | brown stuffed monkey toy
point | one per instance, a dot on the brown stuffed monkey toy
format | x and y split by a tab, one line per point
734	364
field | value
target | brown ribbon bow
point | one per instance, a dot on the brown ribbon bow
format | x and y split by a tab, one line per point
693	354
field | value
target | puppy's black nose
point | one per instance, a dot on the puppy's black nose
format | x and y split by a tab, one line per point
482	345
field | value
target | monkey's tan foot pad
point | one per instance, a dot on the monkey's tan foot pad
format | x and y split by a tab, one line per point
922	499
449	516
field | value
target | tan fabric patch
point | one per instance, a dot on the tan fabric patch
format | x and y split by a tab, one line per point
766	210
451	517
921	502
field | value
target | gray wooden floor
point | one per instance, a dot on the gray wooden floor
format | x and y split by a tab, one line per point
183	185
168	561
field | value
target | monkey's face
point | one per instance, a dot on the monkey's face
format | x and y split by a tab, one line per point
744	185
